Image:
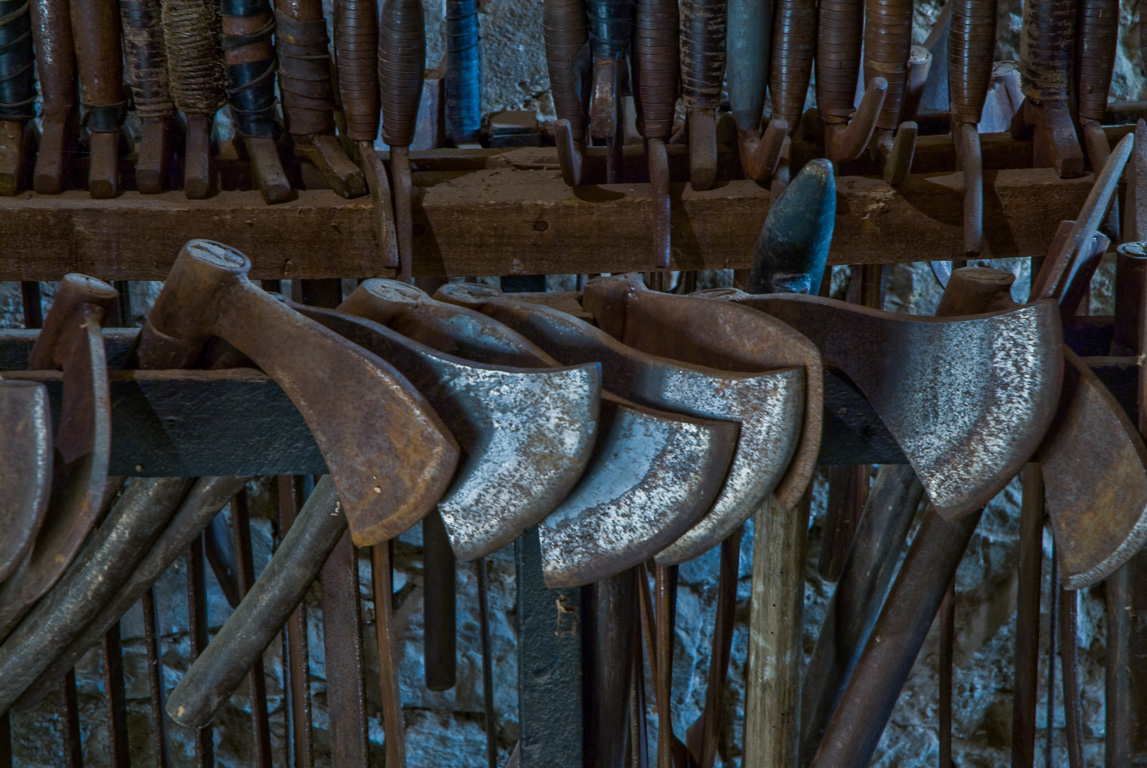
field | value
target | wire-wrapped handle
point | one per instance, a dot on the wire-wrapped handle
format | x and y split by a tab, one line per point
17	85
401	61
356	55
839	37
971	48
146	58
1098	38
656	73
250	61
610	27
463	71
55	58
304	67
566	36
794	43
1047	47
887	46
192	34
99	54
703	52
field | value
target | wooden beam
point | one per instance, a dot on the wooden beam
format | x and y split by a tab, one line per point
509	213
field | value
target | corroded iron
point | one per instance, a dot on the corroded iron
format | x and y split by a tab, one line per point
566	39
56	73
146	59
527	435
71	340
25	468
792	249
702	73
99	54
390	459
847	129
794	44
768	436
17	91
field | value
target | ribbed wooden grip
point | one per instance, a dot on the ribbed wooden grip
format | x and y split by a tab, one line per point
146	57
1098	35
610	27
463	71
887	44
192	32
401	61
1047	47
99	54
250	61
566	34
17	86
55	57
794	43
839	37
971	48
304	67
356	55
656	74
703	25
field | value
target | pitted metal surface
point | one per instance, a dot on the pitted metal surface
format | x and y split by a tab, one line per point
1098	516
25	467
625	512
768	406
526	434
967	399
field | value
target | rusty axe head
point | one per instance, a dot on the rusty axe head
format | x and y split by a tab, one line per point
25	467
766	405
389	454
526	434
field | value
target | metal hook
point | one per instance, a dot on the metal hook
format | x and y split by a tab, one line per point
761	154
843	143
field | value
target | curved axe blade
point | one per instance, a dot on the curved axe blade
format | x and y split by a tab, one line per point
389	454
968	400
71	340
767	405
614	483
527	434
25	467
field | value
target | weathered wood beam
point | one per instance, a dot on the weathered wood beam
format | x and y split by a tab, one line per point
513	215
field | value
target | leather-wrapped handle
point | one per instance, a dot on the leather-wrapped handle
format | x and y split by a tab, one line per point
566	34
356	54
17	85
401	61
463	71
887	46
192	34
99	54
250	61
656	73
1047	47
1098	38
971	49
839	38
702	52
794	43
304	67
146	57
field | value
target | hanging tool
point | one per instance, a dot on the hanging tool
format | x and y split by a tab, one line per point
56	71
1095	64
847	131
192	33
71	341
971	46
656	76
356	57
887	51
749	38
702	73
308	95
250	61
99	54
17	91
610	26
1047	47
567	59
794	45
146	58
25	468
463	72
401	60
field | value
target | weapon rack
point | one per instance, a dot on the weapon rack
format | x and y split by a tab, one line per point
478	212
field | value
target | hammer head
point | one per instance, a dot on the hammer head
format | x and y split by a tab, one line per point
389	454
967	399
25	467
527	434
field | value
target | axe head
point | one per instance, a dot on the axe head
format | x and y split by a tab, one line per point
25	467
766	405
793	247
388	453
1093	461
526	434
967	399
